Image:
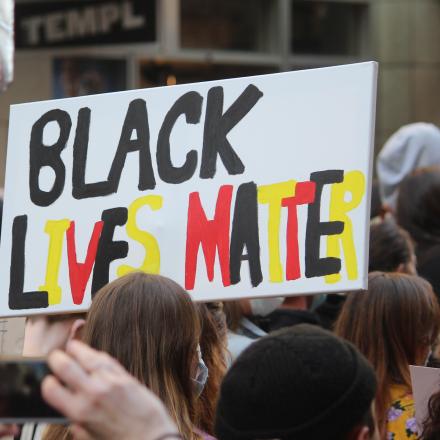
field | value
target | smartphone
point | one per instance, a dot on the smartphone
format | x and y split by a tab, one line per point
20	392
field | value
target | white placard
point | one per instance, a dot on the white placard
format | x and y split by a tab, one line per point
248	187
425	382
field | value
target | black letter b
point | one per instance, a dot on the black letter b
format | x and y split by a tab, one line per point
48	155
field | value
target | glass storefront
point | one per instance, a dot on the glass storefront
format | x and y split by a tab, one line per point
244	25
200	40
327	28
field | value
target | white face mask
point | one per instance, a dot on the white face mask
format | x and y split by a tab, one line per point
428	358
202	374
265	306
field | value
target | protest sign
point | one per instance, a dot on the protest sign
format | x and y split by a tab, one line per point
248	187
425	382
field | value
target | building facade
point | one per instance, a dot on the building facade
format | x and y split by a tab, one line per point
66	48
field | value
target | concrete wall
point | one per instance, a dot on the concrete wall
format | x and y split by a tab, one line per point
32	83
406	41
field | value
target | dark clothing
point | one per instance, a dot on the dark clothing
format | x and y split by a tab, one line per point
328	311
428	264
299	383
281	318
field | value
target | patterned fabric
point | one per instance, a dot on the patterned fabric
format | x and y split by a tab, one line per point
401	421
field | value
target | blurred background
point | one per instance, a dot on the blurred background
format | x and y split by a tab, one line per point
70	48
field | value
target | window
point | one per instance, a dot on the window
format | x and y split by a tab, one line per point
229	24
327	28
153	74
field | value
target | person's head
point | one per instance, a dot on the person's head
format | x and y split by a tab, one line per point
44	333
412	146
431	425
151	326
300	382
418	207
391	248
393	324
235	310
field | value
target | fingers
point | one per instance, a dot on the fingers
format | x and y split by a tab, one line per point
102	401
8	430
90	359
74	392
68	371
79	433
80	407
57	395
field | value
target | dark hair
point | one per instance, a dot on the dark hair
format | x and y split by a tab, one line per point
390	323
234	313
298	382
418	207
431	426
376	202
390	247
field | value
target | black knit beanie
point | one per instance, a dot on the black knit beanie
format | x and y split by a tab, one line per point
302	382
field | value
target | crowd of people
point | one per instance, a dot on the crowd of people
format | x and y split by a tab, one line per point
146	362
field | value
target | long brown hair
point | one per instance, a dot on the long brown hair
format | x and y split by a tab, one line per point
431	426
151	326
391	323
213	344
234	313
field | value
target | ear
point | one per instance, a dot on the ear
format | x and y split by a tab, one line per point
401	268
76	329
363	434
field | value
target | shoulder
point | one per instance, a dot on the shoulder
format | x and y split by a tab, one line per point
401	421
236	344
32	431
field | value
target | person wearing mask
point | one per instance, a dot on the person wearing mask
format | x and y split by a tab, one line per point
101	399
298	383
293	311
394	324
240	316
151	326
